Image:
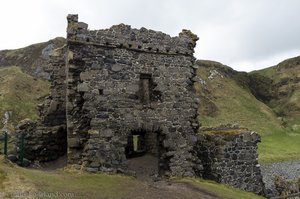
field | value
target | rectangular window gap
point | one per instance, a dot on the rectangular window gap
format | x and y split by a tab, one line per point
145	80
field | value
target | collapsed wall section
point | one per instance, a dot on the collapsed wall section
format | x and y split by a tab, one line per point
53	110
46	139
229	156
121	80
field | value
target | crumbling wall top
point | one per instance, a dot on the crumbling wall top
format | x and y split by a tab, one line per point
123	36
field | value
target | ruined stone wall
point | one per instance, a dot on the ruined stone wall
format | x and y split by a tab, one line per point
229	156
53	109
106	99
46	139
42	143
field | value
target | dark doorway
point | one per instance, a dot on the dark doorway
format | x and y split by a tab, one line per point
142	153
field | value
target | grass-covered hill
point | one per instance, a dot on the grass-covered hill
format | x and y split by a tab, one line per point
282	92
266	101
24	80
226	98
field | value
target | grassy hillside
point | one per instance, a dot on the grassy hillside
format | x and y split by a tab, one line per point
283	90
226	100
227	97
20	93
14	180
21	74
279	88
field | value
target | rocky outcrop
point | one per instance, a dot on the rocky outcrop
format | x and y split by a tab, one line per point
229	155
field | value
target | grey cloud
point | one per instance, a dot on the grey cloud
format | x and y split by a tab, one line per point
230	31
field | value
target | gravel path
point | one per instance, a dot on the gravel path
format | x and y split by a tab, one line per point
288	169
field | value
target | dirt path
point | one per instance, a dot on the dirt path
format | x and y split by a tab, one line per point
145	167
154	187
174	190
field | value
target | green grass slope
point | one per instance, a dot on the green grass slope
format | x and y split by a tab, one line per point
228	96
20	93
283	92
21	74
279	88
226	100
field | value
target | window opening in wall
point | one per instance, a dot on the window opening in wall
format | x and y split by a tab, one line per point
145	80
148	90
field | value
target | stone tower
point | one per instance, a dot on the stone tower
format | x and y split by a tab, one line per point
125	84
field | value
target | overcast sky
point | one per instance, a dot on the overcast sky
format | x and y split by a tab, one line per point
244	34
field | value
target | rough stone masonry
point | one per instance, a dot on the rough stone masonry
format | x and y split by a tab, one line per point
121	80
229	156
120	92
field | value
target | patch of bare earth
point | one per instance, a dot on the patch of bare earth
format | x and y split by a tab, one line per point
152	186
172	190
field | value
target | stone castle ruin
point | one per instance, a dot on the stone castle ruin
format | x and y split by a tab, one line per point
121	93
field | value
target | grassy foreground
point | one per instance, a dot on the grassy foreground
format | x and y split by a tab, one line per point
15	181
